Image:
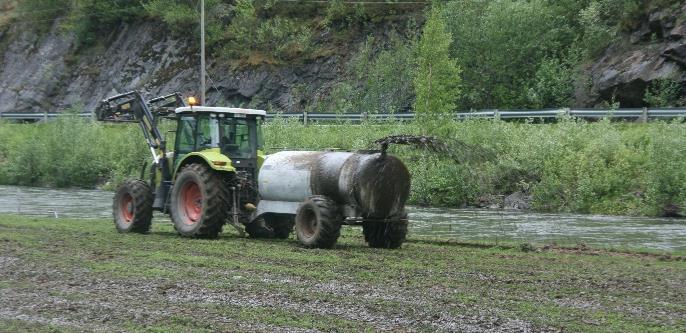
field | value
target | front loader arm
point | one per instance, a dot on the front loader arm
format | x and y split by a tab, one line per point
131	107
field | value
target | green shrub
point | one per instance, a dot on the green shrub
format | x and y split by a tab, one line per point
553	84
41	13
91	20
344	15
598	30
378	82
569	166
663	93
498	63
69	151
178	15
437	80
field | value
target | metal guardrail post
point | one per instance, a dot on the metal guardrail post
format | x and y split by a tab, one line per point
644	116
0	115
305	118
568	112
496	114
45	116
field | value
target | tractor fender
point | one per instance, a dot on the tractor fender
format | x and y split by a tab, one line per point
212	157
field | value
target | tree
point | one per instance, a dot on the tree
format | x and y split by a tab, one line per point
438	76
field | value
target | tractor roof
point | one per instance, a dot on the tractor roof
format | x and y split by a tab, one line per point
210	109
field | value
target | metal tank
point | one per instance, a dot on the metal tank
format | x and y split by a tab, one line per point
365	185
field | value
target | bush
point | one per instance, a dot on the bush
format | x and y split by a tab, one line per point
664	93
69	152
378	82
498	63
279	37
90	20
570	166
553	85
437	79
598	30
178	15
42	12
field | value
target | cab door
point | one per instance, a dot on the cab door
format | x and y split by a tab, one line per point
186	132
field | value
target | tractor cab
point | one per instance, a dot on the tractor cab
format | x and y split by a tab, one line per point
209	180
232	132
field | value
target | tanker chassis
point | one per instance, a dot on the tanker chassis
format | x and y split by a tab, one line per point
323	190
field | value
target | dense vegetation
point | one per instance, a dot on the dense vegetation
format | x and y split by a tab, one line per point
507	53
569	166
432	58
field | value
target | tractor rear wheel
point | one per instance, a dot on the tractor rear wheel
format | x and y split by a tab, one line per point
132	206
199	206
386	235
318	222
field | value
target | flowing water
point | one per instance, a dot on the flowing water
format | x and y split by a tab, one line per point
459	224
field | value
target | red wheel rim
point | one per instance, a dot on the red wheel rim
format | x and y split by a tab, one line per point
191	201
126	208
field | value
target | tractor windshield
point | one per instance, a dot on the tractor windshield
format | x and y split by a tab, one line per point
208	133
235	137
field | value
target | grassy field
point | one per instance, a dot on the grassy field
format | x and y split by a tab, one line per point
80	275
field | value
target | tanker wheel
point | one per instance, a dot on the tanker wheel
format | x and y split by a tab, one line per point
199	202
282	225
132	206
386	235
259	229
318	222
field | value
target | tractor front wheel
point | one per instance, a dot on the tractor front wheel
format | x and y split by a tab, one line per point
132	206
199	202
318	222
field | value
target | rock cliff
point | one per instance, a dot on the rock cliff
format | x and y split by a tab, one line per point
47	73
655	50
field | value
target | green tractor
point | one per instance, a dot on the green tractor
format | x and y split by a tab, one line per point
198	185
218	174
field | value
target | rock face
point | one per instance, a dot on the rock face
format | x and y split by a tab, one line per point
47	73
39	74
656	50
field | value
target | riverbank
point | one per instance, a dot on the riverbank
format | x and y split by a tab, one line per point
495	226
76	275
570	166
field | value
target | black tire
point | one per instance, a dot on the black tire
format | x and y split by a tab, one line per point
271	226
281	225
199	206
259	229
132	207
318	222
386	235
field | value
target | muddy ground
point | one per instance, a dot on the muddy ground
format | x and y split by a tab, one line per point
80	275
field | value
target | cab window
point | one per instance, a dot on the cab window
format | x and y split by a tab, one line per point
235	137
207	134
184	135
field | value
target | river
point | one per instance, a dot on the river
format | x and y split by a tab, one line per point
492	226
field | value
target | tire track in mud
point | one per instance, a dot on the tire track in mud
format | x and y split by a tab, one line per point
79	300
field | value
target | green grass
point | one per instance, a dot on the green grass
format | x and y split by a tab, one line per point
256	285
